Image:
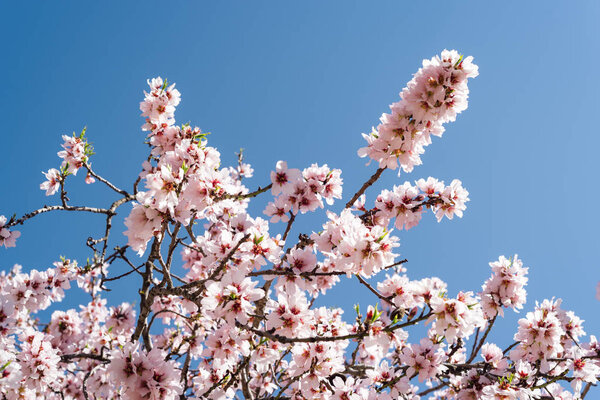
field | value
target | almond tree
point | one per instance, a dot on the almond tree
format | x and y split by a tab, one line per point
241	321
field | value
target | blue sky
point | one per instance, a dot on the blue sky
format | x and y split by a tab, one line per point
300	81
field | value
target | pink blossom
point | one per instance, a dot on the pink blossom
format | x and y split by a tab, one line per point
282	178
290	314
89	179
539	335
7	238
143	223
231	297
492	354
52	184
454	198
75	153
144	375
424	359
121	318
278	210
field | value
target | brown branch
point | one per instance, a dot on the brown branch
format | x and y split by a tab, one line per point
289	225
433	389
109	217
308	274
240	196
70	357
289	272
45	209
146	294
314	339
485	334
510	347
365	186
375	292
586	390
217	270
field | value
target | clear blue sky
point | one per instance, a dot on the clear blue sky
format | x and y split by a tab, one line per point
300	81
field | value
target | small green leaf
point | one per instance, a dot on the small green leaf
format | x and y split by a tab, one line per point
258	240
2	368
382	236
460	59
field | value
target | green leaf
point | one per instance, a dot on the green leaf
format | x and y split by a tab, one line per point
258	240
376	313
2	368
382	236
460	59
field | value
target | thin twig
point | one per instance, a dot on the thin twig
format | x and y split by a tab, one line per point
365	186
45	209
375	292
106	182
240	196
289	225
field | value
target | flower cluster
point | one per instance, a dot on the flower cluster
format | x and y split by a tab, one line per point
354	248
38	362
232	297
546	333
405	294
434	96
456	318
302	192
424	359
159	109
75	154
186	182
505	288
33	360
406	202
36	290
142	375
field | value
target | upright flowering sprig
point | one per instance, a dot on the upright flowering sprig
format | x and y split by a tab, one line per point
435	95
75	154
240	320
